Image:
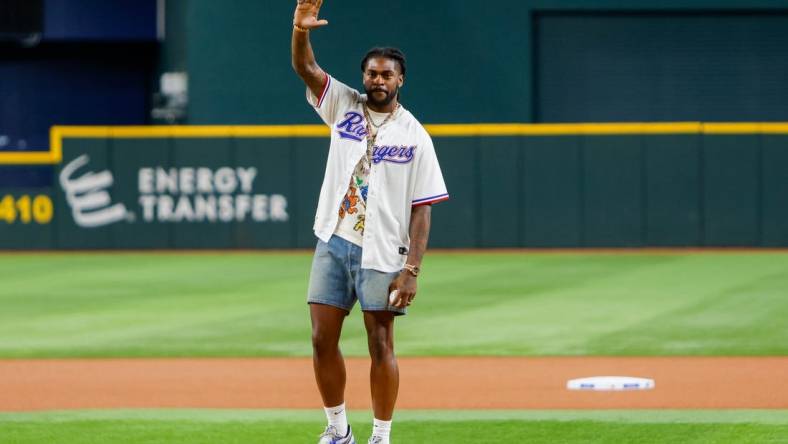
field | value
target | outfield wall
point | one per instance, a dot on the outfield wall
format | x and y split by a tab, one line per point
511	185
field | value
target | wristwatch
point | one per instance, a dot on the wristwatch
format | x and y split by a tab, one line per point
414	270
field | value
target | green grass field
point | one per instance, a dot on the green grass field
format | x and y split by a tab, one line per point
250	304
225	304
416	427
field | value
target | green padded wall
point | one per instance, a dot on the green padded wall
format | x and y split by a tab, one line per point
564	190
499	180
456	222
774	189
552	194
731	190
613	192
672	172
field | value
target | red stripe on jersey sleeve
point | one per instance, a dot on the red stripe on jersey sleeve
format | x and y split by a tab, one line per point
325	90
430	202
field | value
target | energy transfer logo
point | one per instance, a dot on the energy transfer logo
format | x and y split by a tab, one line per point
171	195
201	194
87	195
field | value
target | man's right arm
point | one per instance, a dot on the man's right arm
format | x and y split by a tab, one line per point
303	58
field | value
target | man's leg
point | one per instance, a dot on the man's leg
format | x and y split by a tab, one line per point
330	370
384	373
326	357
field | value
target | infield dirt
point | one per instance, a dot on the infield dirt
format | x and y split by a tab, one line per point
426	383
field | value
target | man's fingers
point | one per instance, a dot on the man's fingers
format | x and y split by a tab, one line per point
403	299
311	23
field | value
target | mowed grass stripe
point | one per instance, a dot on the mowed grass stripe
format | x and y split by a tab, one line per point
225	304
124	304
173	427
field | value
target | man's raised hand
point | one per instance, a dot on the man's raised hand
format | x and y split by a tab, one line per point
306	14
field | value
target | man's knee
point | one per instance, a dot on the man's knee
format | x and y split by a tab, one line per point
324	343
381	345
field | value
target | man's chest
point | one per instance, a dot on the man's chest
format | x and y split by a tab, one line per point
392	144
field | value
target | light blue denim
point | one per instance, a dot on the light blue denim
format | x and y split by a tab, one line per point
337	279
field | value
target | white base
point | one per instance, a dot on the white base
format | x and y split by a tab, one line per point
610	383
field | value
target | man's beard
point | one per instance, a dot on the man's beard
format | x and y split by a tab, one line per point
390	95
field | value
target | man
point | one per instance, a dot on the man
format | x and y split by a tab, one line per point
373	220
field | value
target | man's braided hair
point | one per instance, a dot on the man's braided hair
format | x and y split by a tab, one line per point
385	52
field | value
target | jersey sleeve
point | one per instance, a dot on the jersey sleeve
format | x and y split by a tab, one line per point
334	98
429	187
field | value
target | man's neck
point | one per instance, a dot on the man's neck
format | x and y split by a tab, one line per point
384	109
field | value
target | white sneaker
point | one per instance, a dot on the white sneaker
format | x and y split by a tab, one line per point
332	436
374	439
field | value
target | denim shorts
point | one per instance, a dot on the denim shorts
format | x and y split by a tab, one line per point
337	279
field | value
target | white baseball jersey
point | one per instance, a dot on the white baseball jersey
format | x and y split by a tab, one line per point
405	173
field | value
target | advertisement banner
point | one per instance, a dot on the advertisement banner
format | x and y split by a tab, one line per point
587	185
170	193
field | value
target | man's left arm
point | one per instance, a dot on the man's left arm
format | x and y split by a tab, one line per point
405	283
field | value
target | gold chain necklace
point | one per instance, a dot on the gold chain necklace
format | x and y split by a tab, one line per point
366	161
370	121
376	125
370	137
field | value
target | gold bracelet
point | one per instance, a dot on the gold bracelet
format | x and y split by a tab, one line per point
414	270
300	29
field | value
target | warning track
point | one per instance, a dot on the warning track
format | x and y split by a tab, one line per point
426	383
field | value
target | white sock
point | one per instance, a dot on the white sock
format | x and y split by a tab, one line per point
382	429
337	417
